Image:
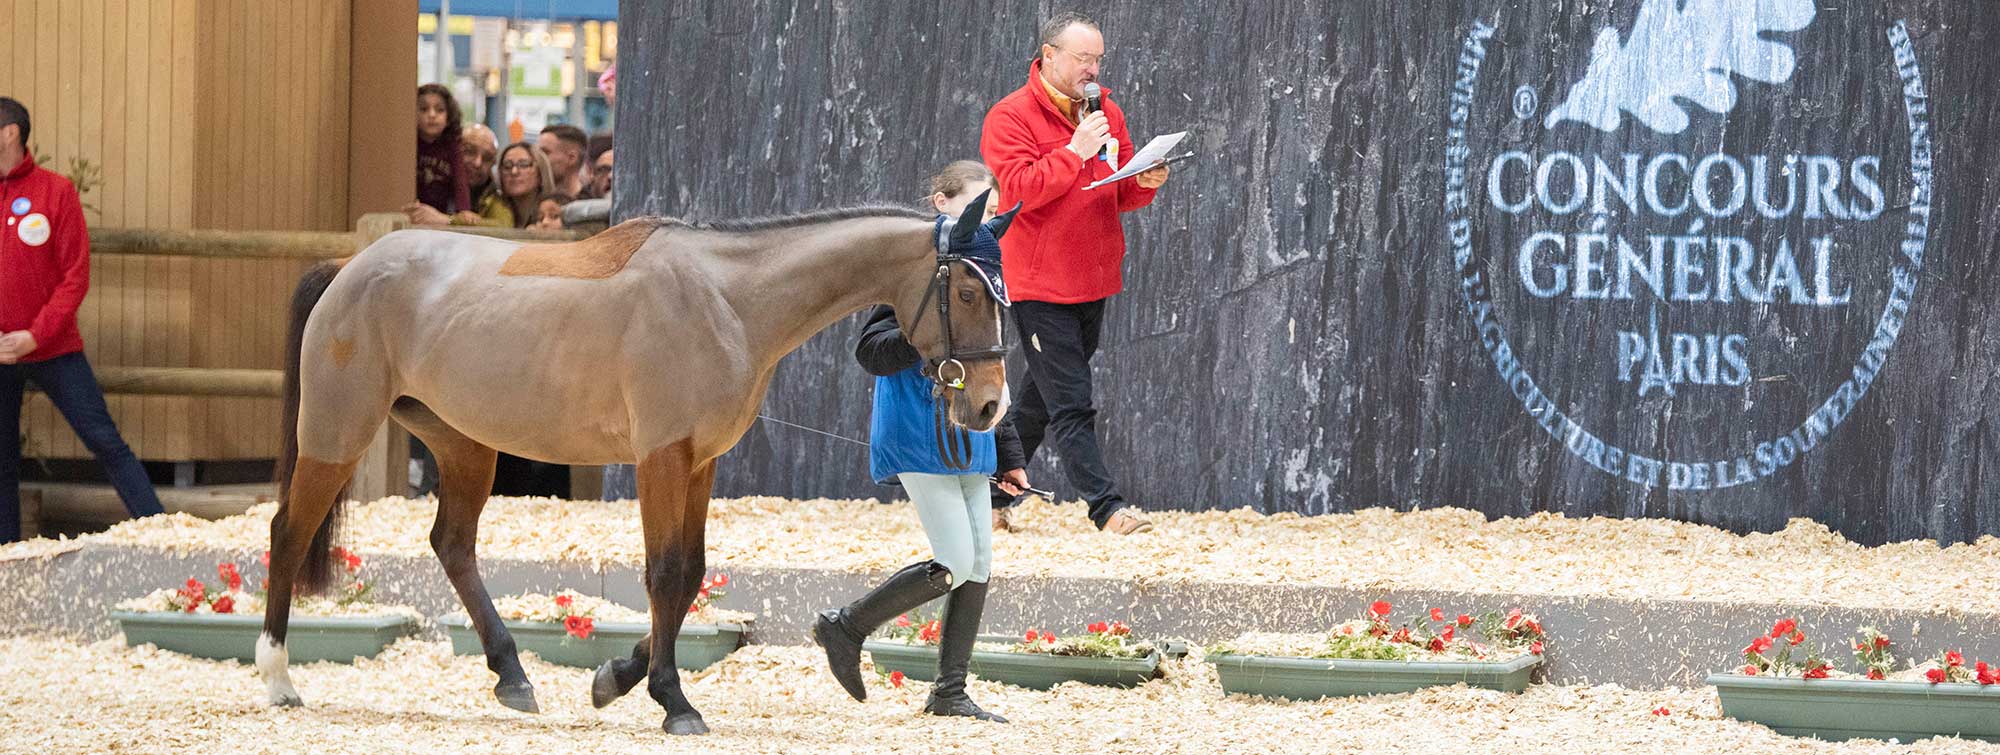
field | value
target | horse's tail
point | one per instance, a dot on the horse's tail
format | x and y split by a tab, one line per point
316	572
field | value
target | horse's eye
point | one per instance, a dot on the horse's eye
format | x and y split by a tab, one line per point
965	296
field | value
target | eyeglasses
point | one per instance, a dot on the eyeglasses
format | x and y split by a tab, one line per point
1086	60
518	165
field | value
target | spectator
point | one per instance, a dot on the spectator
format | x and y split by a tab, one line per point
441	183
44	274
551	212
565	144
477	152
524	178
600	174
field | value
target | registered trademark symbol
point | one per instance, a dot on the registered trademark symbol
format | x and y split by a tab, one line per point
1525	102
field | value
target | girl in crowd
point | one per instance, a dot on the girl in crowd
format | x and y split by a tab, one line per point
954	503
440	183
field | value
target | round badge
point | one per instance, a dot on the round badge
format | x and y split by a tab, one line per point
34	230
21	205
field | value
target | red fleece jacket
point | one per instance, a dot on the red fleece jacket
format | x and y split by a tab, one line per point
1067	245
44	259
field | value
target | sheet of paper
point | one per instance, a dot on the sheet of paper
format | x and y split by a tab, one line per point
1150	155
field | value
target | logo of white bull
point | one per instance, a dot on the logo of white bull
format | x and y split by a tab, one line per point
1682	53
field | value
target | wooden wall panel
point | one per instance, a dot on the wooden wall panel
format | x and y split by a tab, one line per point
227	114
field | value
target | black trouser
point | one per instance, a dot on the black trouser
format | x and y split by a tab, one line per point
1054	399
68	382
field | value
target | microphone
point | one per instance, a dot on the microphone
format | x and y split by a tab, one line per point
1093	101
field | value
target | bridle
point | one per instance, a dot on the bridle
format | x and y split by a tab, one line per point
953	358
948	372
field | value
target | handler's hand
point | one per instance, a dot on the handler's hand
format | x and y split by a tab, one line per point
1014	481
1152	178
423	214
1091	133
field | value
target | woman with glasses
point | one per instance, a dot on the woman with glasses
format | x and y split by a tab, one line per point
522	178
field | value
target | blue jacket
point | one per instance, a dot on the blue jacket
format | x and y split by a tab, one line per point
902	433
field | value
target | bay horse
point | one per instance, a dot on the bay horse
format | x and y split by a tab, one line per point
651	343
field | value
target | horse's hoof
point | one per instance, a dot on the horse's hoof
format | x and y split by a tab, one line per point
686	724
520	697
287	700
604	688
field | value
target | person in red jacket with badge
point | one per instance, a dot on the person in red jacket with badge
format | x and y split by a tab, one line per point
44	273
1062	258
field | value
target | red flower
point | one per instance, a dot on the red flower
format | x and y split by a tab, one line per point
1437	614
1447	633
1881	641
1464	620
1032	636
564	601
1118	628
904	621
1953	659
1758	646
721	580
1662	711
1048	638
579	626
1749	669
1936	675
1402	635
1380	609
1098	628
230	577
1437	645
1536	648
1861	646
930	632
1797	637
350	558
1783	627
224	604
1817	671
1535	626
1876	673
265	559
895	678
1987	674
1513	618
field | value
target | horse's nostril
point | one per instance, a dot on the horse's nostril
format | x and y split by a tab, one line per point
987	411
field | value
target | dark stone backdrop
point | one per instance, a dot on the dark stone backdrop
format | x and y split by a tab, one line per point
1294	336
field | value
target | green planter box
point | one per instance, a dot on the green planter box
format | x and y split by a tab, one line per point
1314	678
1836	709
234	636
1031	670
699	646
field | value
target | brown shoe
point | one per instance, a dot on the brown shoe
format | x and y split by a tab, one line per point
1127	521
1002	521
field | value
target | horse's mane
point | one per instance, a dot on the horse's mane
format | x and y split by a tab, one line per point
778	222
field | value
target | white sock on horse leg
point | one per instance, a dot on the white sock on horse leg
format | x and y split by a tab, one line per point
273	663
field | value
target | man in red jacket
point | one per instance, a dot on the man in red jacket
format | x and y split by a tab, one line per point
1064	252
44	273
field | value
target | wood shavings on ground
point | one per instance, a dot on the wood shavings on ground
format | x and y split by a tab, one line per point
1373	549
60	696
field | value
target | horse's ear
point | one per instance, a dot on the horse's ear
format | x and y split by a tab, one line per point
998	225
968	221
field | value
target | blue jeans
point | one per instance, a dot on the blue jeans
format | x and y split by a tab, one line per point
68	381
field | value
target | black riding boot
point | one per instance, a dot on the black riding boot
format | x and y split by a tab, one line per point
961	629
842	630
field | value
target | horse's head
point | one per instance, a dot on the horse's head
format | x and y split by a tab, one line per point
956	325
